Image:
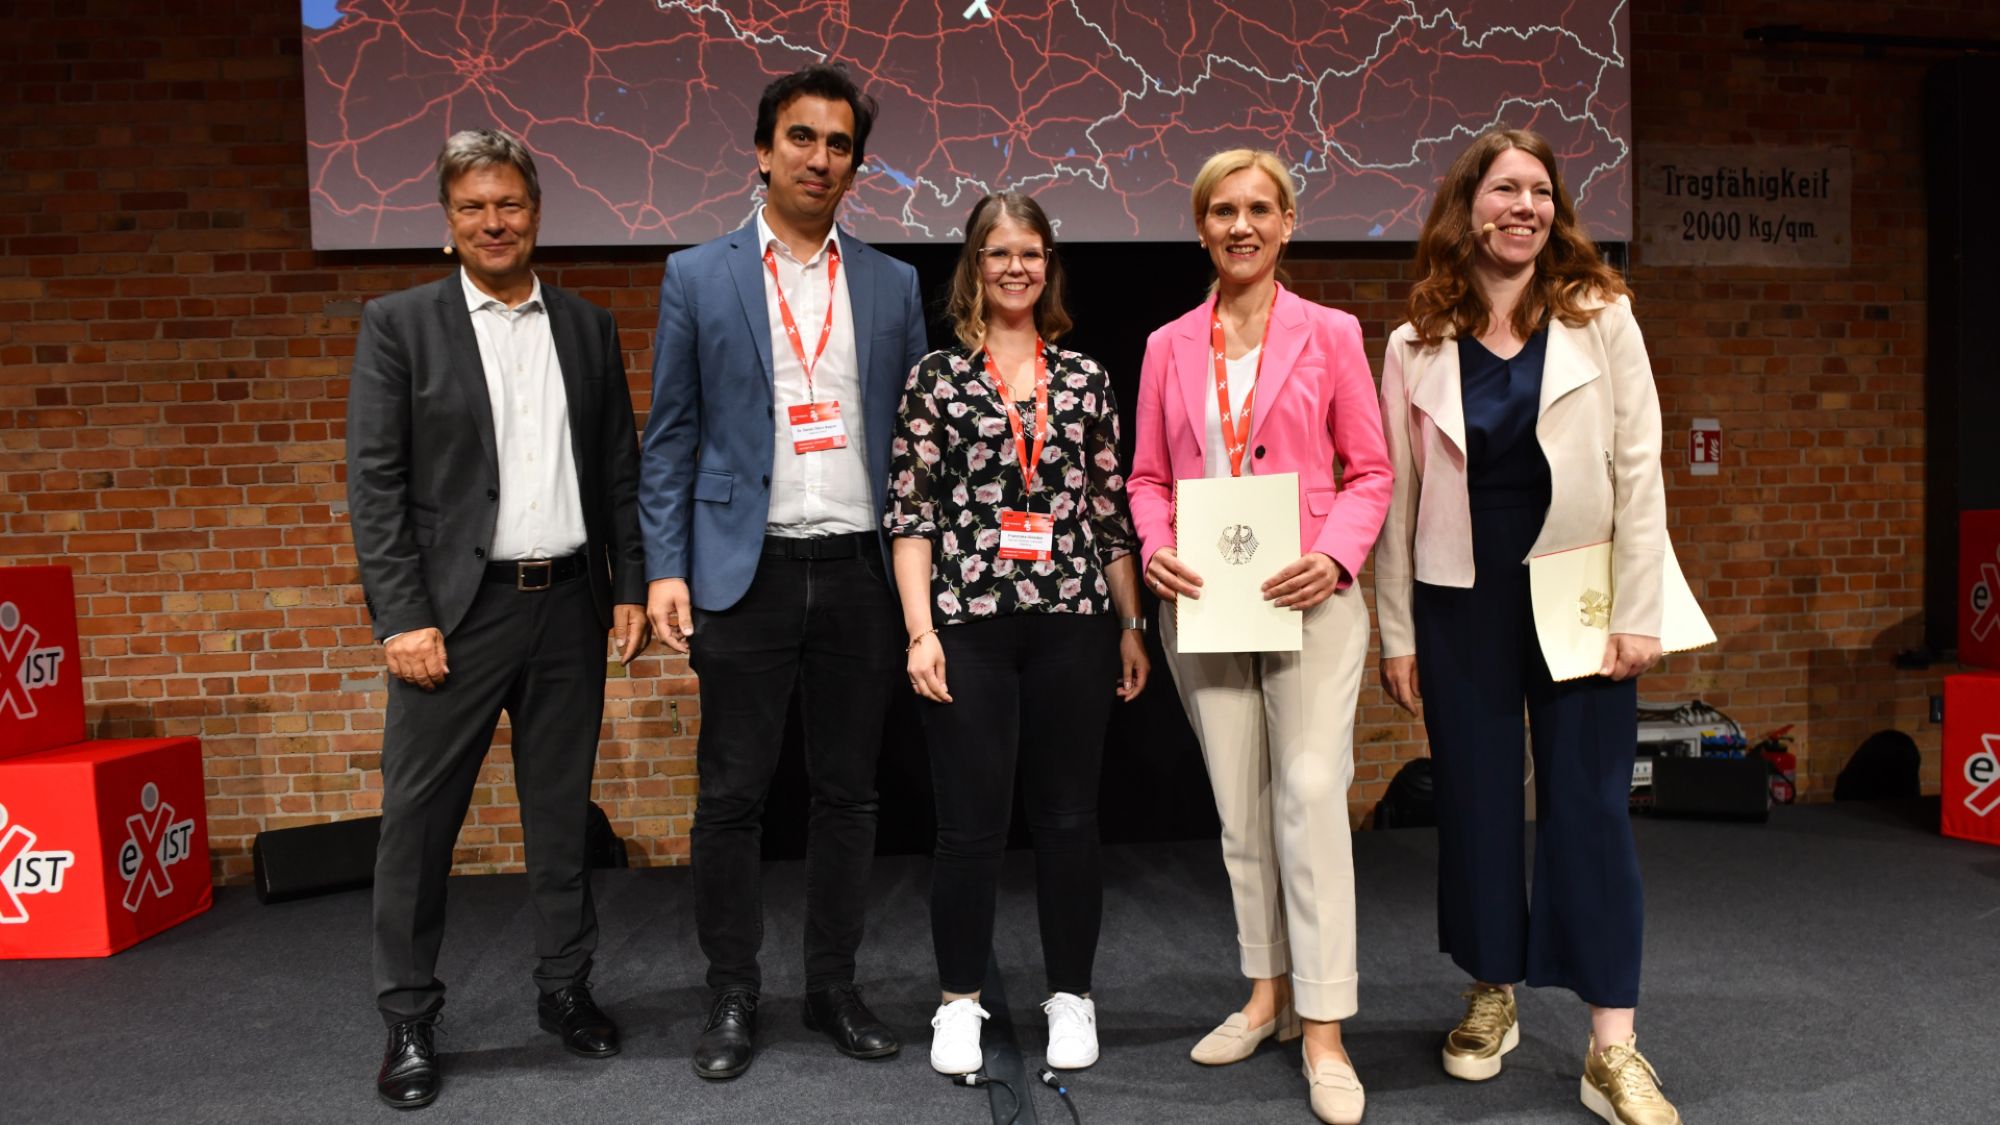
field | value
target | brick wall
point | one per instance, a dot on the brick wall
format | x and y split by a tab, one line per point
172	379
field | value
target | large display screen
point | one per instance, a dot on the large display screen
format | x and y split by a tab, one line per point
640	112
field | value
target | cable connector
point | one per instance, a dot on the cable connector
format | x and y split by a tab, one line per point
1054	1082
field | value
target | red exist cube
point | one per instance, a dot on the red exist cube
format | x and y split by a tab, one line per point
1971	765
102	845
41	682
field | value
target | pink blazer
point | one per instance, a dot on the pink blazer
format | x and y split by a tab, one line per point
1315	405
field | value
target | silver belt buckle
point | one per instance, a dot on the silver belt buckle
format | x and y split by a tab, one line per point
527	567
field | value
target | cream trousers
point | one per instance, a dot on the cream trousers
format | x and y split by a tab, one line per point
1277	732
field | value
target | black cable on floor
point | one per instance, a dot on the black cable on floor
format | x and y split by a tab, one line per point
976	1080
1052	1081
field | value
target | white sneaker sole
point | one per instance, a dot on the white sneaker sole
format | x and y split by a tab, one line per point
1083	1063
1480	1069
945	1067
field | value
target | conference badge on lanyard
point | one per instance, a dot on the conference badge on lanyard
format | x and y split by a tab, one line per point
816	425
1026	536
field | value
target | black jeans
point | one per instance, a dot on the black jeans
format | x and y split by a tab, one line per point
832	629
1035	688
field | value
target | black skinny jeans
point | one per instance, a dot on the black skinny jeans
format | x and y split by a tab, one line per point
1034	689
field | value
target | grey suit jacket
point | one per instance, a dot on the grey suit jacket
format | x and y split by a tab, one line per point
423	476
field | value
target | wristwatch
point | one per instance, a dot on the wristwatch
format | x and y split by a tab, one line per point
1138	623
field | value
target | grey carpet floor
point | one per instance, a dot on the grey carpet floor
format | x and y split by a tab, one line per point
1835	965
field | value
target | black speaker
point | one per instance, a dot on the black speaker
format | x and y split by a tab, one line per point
315	859
1712	788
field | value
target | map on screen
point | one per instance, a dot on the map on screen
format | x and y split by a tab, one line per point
640	112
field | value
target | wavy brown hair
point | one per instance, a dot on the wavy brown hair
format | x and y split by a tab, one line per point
1570	279
966	303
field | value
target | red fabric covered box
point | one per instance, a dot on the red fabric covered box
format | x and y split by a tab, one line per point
1979	588
41	682
1971	766
102	845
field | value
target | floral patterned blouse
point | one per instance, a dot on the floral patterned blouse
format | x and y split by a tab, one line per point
953	468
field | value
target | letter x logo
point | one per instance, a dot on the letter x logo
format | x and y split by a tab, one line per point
140	856
13	844
1983	771
14	663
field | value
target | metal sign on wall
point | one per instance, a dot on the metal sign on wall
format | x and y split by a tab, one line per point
1745	205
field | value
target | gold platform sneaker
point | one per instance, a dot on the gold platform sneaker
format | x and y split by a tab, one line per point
1622	1087
1490	1029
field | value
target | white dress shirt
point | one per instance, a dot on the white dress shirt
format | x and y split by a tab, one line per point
824	493
541	504
1242	380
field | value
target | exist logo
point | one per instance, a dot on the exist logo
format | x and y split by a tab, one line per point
154	842
25	871
1983	771
24	668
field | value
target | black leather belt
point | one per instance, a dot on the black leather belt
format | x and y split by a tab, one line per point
819	548
535	574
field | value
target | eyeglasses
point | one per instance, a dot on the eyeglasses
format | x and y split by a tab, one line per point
996	259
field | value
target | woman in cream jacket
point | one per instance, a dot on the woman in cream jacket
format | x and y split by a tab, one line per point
1522	420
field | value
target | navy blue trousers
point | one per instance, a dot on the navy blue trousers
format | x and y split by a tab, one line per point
1477	662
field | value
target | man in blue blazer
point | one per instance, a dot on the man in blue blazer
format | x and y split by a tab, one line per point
777	369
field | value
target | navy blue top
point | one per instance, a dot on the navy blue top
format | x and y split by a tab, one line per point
1502	399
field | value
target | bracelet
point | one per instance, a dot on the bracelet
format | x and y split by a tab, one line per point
1138	623
920	636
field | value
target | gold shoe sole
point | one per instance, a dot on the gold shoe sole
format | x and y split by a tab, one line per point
1597	1103
1478	1068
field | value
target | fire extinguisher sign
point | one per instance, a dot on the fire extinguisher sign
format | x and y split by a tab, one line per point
1705	447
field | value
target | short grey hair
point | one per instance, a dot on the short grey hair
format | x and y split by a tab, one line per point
472	149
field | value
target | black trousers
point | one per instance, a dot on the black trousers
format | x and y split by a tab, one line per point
831	628
1478	660
540	657
1034	689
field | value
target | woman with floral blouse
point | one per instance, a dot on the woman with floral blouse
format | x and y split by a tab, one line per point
1014	562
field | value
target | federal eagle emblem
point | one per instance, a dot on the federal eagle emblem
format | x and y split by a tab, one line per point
1238	544
1593	608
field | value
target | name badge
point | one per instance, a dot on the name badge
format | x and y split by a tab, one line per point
816	426
1029	536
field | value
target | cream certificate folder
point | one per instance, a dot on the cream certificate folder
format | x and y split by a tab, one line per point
1572	595
1236	532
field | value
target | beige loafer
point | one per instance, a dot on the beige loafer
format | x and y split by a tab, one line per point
1335	1090
1234	1040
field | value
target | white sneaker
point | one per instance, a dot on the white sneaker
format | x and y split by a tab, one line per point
955	1046
1072	1031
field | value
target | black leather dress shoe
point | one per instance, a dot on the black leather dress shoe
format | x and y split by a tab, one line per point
839	1012
573	1017
409	1076
725	1047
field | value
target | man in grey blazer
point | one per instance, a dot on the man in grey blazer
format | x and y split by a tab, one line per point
492	476
777	371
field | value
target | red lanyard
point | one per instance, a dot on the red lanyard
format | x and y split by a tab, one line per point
792	326
1235	430
1028	461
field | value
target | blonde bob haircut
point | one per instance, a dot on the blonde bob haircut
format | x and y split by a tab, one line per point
966	303
1225	164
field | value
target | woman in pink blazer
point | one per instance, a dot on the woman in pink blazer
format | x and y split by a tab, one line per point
1276	728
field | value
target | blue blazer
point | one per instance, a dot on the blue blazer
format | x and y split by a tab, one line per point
705	460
